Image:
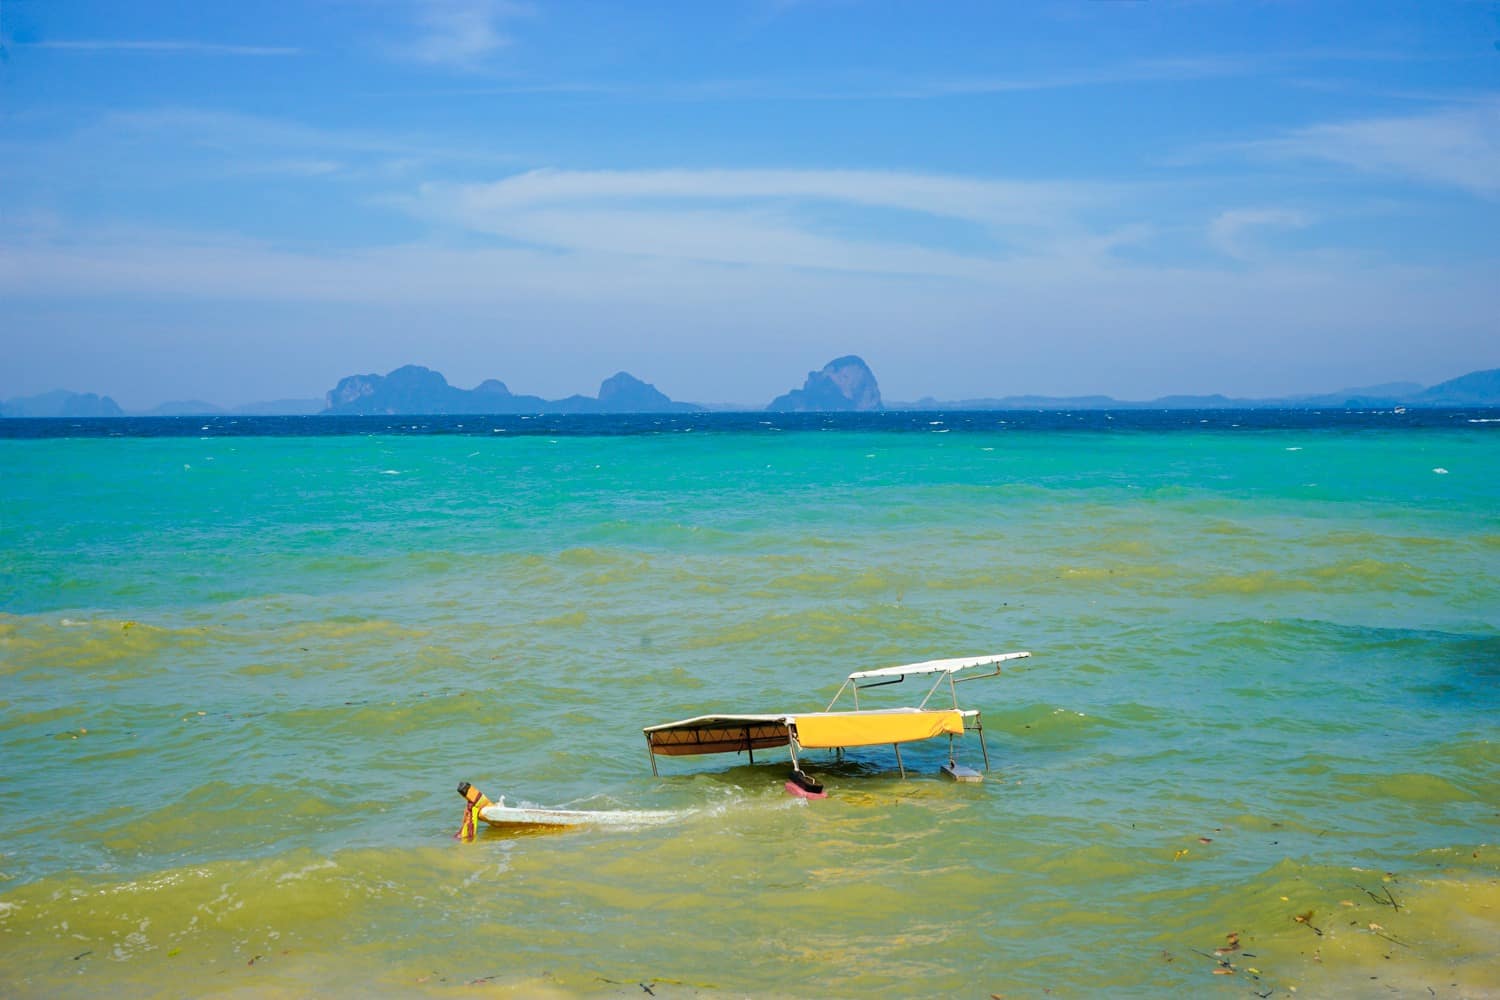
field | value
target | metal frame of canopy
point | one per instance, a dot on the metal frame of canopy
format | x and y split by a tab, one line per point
942	670
707	734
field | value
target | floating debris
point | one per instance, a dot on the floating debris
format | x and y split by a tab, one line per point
1306	918
1386	900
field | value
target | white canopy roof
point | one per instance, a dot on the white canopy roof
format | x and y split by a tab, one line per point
938	666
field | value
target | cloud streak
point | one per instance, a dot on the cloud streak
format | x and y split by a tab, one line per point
1231	231
866	86
165	45
996	201
461	34
171	144
777	218
1453	147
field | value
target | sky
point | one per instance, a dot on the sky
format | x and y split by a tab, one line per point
245	202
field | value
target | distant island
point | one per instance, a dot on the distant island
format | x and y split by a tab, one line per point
845	384
414	389
1481	388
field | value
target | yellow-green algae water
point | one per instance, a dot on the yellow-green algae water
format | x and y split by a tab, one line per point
1255	750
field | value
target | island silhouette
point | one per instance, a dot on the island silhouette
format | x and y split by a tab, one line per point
845	384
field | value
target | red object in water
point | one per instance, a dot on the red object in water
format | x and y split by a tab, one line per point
795	789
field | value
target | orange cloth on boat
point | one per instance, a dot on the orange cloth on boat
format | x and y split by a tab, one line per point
862	729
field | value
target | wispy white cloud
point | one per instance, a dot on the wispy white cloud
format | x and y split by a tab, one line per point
238	133
1231	231
1162	69
165	144
763	240
293	167
875	86
1456	147
462	34
1142	71
938	194
164	45
771	217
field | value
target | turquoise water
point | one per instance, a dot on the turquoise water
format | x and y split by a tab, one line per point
240	676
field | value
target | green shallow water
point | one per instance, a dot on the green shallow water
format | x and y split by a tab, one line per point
239	679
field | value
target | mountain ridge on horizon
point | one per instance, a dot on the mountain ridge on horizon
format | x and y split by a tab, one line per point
844	384
414	389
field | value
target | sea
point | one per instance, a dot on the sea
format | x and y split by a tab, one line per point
244	663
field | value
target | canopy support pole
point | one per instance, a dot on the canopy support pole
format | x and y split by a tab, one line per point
651	750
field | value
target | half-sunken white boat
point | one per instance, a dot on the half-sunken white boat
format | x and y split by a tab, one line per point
841	730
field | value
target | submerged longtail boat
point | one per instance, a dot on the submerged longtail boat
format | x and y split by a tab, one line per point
840	730
477	807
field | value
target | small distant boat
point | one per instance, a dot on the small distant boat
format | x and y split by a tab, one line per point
841	730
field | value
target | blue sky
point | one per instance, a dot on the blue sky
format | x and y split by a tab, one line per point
238	202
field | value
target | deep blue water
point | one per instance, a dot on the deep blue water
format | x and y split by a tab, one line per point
609	425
